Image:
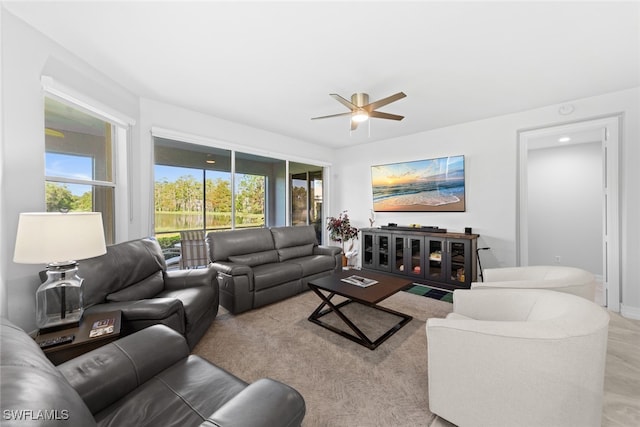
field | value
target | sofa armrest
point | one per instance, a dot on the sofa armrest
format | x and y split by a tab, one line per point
232	268
106	374
515	284
327	250
502	274
144	309
181	279
503	305
265	402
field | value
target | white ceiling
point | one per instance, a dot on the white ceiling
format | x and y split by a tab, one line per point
272	65
575	137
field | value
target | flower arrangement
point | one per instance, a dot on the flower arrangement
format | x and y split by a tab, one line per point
340	229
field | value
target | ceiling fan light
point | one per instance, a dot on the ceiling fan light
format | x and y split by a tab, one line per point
360	116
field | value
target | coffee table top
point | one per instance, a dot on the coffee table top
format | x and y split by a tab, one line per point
387	285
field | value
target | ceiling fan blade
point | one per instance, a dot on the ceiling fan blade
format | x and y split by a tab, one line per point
381	103
343	101
354	125
332	115
381	115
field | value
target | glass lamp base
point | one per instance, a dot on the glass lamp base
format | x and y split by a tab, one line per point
59	298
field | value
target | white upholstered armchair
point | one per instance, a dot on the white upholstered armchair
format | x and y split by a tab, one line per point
560	278
510	357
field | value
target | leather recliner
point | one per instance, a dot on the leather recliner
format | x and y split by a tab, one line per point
133	277
145	379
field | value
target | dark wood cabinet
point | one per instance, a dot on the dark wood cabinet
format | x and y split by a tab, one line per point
446	260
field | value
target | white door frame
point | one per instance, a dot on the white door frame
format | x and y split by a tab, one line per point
610	127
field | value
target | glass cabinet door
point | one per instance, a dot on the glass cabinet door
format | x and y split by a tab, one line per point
415	256
436	257
367	250
408	253
382	246
399	250
458	268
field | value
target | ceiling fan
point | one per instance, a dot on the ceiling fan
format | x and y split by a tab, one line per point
361	109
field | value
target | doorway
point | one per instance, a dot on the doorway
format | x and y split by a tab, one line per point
568	200
306	198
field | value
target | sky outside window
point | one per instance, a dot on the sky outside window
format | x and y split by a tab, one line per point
70	166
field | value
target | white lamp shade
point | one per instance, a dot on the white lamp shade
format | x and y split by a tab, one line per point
49	237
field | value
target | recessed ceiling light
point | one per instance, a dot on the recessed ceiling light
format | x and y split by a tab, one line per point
564	139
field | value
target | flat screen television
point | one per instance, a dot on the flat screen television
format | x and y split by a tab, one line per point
432	185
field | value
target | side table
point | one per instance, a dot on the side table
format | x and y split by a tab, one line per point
94	330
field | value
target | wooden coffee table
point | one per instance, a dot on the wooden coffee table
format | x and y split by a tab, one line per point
329	286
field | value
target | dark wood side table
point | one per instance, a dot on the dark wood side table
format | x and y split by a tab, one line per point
91	333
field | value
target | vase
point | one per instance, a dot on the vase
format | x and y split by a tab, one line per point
345	261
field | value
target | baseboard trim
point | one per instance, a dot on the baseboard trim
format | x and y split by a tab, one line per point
630	312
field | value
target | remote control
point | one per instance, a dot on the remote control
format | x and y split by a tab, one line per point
64	339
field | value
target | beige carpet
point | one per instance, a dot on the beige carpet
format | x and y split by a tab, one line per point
343	383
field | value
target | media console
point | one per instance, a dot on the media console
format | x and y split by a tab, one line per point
442	259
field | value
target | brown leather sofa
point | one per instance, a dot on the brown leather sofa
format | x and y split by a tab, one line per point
145	379
133	277
259	266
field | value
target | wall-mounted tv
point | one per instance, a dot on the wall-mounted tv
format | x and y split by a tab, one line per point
432	185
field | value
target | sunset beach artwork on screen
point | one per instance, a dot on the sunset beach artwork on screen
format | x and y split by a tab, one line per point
433	185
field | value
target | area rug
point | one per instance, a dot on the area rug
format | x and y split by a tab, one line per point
428	291
343	383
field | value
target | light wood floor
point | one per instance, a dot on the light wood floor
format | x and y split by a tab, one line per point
622	374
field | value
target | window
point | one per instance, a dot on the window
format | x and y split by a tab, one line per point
192	189
199	187
79	162
260	191
250	200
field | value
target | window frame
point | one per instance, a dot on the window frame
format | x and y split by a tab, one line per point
189	138
120	134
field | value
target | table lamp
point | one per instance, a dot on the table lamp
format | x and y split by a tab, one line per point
59	239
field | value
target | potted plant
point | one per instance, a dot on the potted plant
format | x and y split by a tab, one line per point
341	231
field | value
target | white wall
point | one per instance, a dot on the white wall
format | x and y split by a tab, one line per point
26	56
565	206
207	130
490	150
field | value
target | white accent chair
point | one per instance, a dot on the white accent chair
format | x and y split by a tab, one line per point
571	280
512	357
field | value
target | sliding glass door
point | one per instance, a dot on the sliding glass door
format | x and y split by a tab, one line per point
306	196
206	188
